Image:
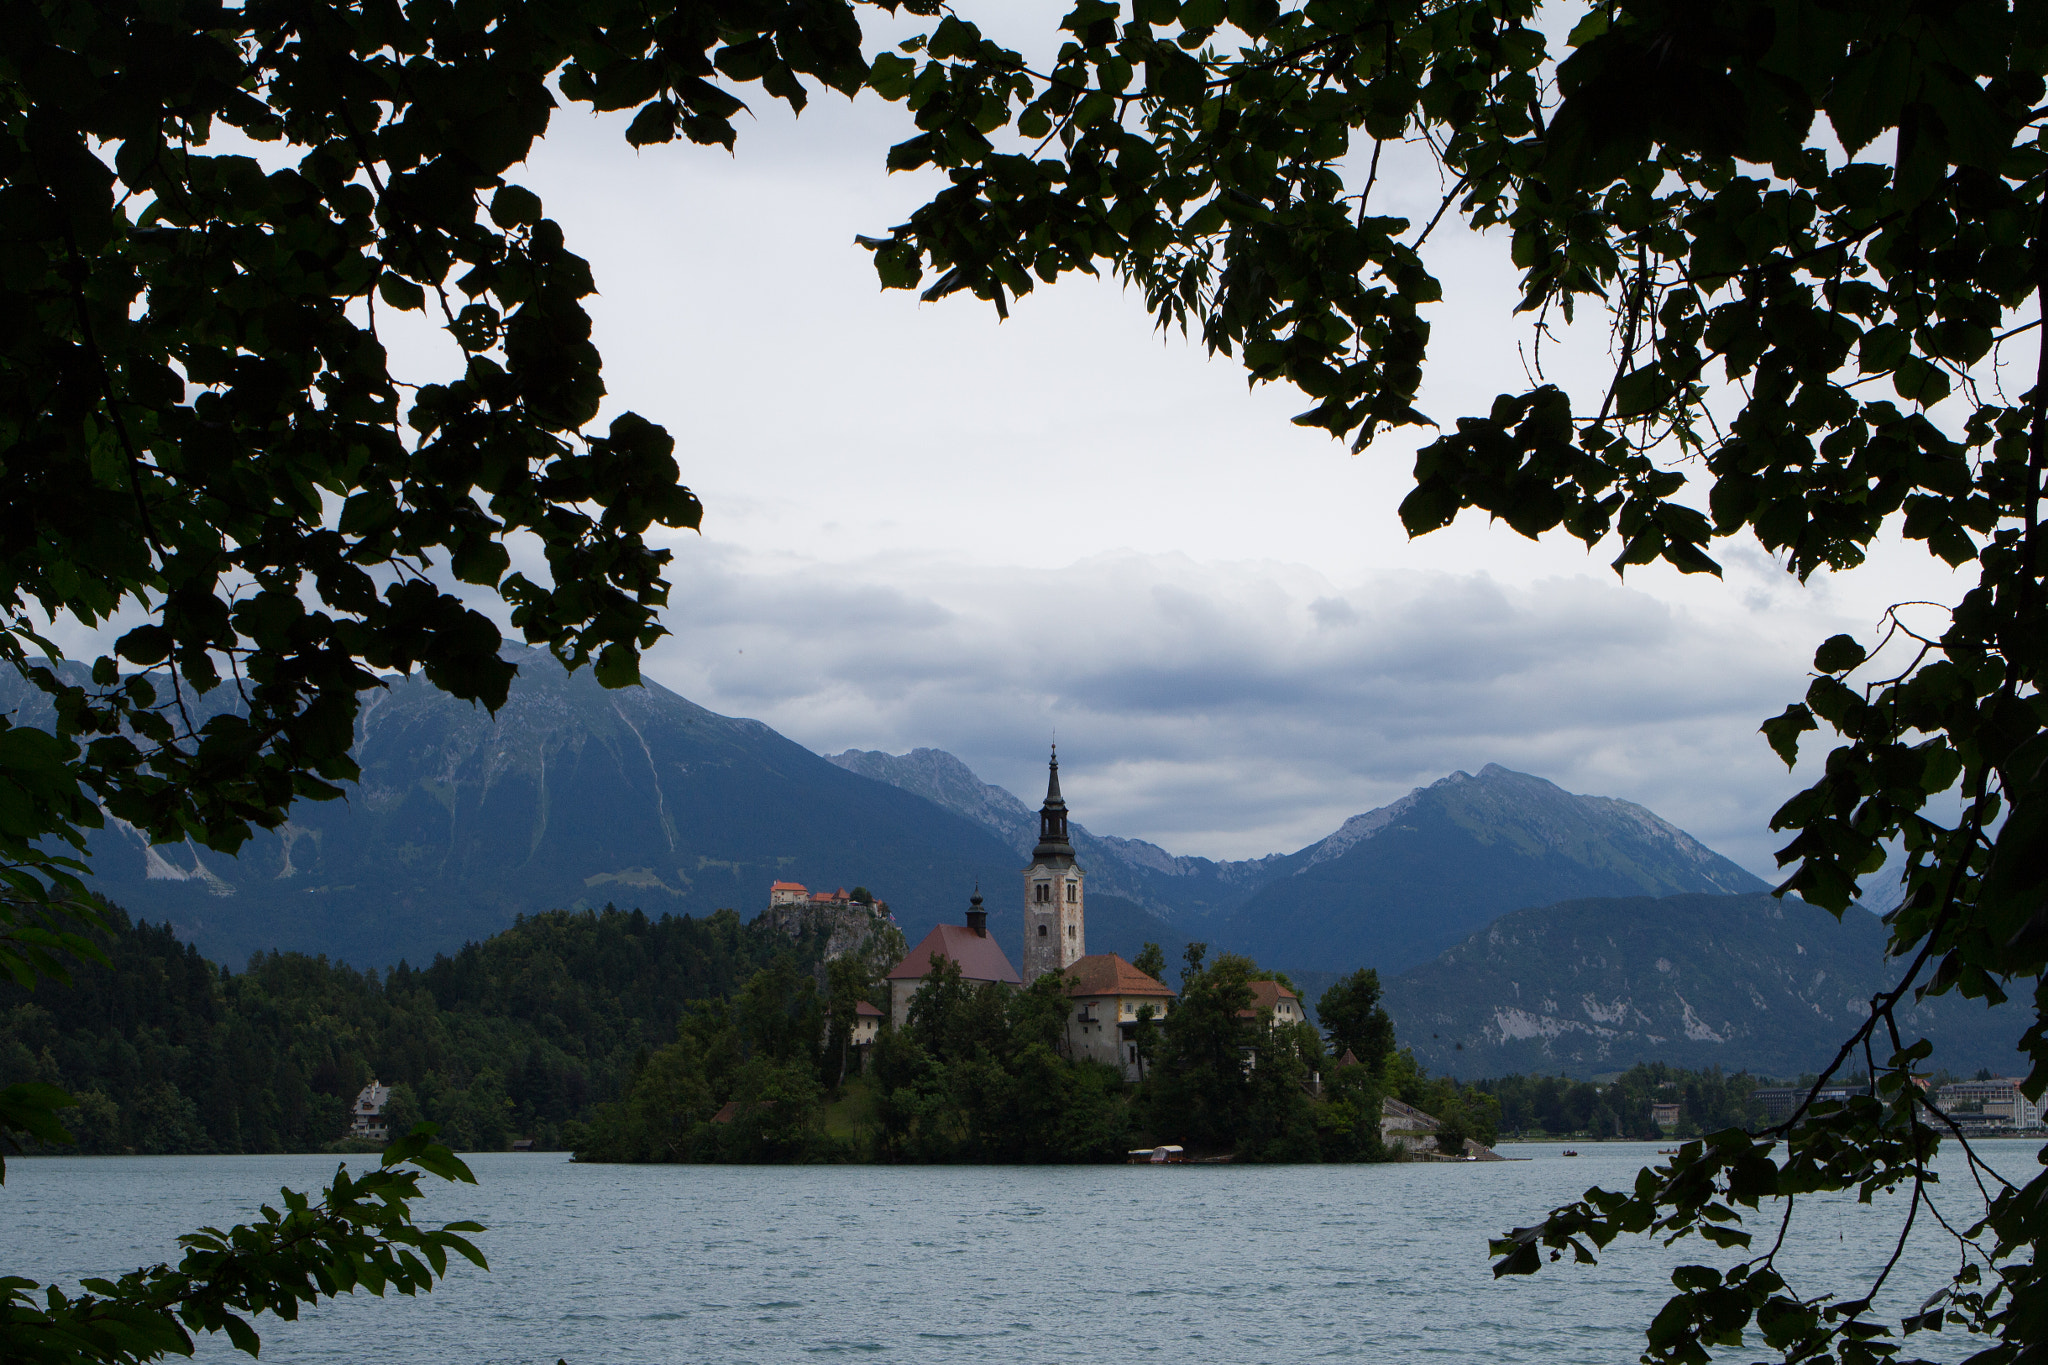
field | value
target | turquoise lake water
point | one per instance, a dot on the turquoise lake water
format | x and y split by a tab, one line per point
673	1265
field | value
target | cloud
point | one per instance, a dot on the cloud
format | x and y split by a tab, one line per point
1239	708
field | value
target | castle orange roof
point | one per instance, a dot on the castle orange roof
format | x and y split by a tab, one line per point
979	957
788	886
1108	974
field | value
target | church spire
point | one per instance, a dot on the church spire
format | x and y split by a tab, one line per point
1052	817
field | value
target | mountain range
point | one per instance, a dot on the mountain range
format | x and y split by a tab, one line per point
1390	888
574	796
1769	984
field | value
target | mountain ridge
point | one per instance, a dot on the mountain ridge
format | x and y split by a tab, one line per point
1753	982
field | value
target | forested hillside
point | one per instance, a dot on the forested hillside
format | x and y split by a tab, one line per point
514	1036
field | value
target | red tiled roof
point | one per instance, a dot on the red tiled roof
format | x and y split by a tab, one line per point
1267	995
863	1010
979	958
1349	1058
788	886
1108	974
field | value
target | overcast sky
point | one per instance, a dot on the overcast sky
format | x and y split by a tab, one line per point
926	527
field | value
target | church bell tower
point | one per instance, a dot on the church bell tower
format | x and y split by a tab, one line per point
1054	936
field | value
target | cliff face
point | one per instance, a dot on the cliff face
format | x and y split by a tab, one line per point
843	928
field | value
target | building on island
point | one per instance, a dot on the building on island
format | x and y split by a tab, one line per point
968	945
1107	993
368	1119
1270	997
1055	936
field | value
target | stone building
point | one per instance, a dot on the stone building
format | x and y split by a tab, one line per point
1107	993
1055	935
969	945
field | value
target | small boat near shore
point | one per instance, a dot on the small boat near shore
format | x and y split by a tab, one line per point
1169	1155
1569	1152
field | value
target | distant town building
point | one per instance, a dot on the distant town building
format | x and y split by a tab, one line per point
368	1119
1107	993
1779	1101
1665	1115
968	945
1996	1103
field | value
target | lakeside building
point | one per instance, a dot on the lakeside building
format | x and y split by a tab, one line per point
1107	994
1996	1103
968	945
1780	1100
368	1119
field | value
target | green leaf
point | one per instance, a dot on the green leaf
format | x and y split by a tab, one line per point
1839	654
400	292
1784	729
515	206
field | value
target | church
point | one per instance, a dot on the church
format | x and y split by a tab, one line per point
1106	991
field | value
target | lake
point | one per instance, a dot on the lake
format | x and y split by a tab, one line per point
674	1265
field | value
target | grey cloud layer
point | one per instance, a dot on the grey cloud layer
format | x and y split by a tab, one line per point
1242	708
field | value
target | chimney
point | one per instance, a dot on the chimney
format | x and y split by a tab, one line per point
977	918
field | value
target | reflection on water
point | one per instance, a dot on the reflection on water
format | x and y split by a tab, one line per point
611	1265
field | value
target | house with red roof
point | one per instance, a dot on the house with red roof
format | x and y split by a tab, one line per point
969	945
1107	993
1270	997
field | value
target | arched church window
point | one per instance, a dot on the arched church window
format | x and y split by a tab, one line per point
1041	931
1073	893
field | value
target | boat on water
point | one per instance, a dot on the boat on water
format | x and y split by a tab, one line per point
1169	1155
1569	1152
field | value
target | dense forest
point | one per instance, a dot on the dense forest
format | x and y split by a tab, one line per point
511	1037
625	1038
